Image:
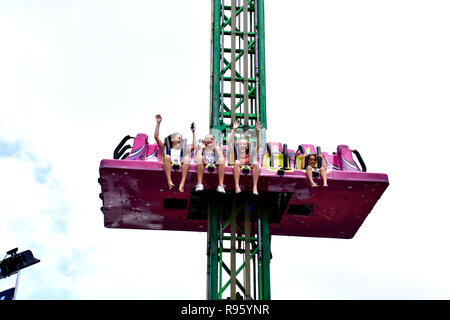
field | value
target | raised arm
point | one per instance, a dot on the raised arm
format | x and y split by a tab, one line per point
158	140
194	140
258	140
230	140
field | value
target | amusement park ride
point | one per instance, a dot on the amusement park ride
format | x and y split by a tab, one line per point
135	195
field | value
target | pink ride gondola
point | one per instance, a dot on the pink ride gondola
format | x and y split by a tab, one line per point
135	194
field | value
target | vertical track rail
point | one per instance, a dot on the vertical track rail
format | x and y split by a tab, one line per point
233	251
247	250
233	60
245	57
231	274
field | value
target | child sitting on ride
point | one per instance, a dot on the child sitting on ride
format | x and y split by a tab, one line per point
312	166
244	157
176	148
206	156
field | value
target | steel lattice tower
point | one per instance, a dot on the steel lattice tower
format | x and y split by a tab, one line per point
239	230
238	85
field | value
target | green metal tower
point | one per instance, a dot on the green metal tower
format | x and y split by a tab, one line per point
238	225
238	247
238	81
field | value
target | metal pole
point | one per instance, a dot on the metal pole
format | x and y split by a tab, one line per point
233	250
215	64
245	4
212	272
247	250
17	285
260	254
222	56
261	62
233	62
266	252
257	60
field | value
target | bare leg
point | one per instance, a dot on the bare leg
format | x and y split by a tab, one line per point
310	178
255	172
200	167
323	174
221	169
167	171
237	174
184	172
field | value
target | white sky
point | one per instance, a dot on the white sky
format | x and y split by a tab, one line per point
77	76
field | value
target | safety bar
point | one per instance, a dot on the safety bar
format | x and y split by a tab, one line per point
119	146
363	165
122	151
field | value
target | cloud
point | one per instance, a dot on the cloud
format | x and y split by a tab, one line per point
18	150
33	211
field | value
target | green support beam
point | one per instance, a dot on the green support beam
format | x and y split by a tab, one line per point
238	235
212	251
265	254
237	68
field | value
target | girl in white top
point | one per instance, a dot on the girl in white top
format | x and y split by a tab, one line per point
176	140
206	154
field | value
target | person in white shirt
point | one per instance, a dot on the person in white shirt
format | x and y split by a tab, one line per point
176	140
206	155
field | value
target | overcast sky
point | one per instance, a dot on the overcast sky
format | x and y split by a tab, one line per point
77	76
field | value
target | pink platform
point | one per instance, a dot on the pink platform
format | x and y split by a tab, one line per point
135	196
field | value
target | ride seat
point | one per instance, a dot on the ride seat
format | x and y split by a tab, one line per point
176	163
273	155
152	153
345	159
307	149
332	161
138	151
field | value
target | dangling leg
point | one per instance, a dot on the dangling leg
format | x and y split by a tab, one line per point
167	170
200	168
184	172
323	174
310	178
255	172
221	169
237	174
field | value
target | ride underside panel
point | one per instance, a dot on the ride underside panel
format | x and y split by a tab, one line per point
135	196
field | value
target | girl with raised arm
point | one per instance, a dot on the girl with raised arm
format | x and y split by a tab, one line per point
176	144
243	148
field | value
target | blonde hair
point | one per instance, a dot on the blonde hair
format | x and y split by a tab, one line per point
173	135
